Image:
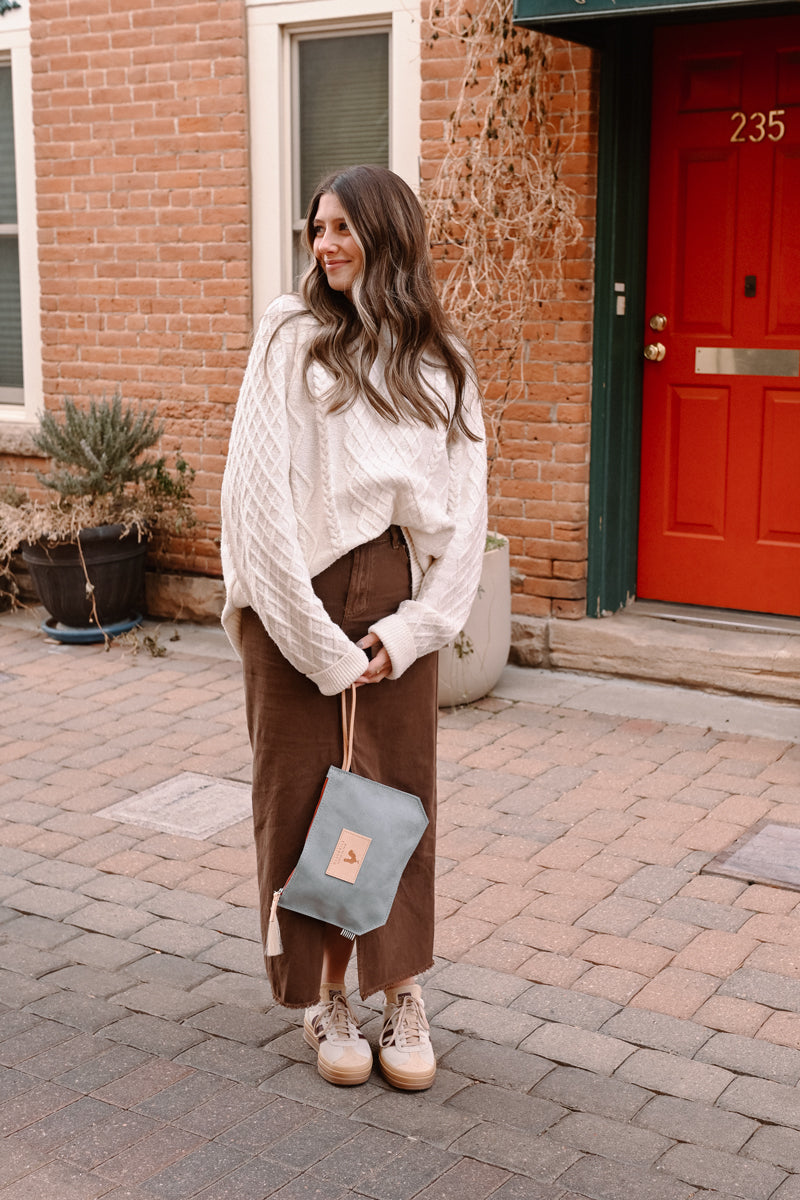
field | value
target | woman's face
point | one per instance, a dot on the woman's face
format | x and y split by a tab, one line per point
335	248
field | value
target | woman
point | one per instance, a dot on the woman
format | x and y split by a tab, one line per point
354	517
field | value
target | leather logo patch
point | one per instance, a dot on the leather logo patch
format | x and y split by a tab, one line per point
348	857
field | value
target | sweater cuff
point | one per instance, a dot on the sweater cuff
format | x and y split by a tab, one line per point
397	641
342	673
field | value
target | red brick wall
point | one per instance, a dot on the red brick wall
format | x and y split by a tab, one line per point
144	234
539	491
144	228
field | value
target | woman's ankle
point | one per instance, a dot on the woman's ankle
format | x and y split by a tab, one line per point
391	993
333	985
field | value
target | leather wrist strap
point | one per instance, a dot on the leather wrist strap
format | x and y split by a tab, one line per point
347	727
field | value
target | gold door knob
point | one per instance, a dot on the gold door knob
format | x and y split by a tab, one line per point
658	322
655	352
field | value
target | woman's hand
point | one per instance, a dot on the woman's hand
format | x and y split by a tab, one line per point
380	666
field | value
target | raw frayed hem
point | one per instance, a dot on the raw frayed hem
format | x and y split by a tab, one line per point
297	1007
297	1004
381	987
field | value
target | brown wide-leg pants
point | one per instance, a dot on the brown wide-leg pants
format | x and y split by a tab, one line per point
296	734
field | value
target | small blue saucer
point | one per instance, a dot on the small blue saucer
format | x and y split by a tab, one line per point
77	636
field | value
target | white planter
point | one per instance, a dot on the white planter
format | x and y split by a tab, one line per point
470	666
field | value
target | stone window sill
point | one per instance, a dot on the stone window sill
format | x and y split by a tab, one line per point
16	437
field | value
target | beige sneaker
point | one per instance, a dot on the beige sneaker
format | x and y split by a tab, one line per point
330	1027
406	1055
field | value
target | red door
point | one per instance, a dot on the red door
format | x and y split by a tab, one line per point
720	487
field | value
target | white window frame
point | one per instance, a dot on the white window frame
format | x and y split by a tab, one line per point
15	48
271	29
295	38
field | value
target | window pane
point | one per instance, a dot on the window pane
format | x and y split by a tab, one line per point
10	319
8	190
344	106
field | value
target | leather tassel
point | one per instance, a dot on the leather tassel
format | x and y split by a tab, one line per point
274	943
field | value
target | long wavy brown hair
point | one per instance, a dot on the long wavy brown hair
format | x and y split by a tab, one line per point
393	307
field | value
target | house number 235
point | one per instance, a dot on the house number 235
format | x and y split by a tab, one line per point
758	125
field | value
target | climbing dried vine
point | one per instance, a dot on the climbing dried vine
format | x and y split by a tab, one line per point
500	215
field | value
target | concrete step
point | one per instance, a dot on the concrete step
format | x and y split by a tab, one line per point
734	653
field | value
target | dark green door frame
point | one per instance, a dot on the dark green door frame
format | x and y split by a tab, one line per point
620	258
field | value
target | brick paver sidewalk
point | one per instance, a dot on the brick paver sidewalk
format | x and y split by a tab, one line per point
611	1023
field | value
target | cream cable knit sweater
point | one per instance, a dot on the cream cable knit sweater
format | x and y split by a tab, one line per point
304	486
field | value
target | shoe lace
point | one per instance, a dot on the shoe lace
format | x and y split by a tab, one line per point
338	1023
407	1027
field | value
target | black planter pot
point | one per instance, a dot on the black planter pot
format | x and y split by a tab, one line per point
115	567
